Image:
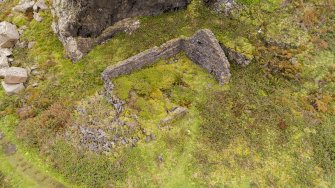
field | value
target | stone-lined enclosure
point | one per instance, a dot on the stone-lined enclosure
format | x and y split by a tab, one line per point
202	48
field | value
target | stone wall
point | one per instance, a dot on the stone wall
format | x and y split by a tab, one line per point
205	50
202	48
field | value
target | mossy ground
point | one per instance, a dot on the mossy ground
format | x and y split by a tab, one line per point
273	125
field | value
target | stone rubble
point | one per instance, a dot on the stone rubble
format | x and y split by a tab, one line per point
32	6
15	77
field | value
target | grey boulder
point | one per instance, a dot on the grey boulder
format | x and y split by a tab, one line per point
12	89
15	75
8	35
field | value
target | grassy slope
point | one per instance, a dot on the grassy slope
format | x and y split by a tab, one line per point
239	143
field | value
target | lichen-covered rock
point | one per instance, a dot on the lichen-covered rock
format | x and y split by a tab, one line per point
16	75
89	18
8	35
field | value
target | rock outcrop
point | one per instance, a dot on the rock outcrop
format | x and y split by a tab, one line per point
77	22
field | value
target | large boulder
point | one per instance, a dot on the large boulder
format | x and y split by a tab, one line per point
89	18
16	75
8	35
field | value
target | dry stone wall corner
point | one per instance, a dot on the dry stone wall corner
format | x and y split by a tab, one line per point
204	49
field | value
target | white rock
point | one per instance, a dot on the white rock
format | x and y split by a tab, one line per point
31	45
12	89
8	35
3	62
16	75
41	4
35	8
5	52
37	17
24	6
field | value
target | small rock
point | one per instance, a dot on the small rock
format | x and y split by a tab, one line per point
34	67
34	84
37	17
160	158
24	6
1	135
31	45
21	44
16	75
21	29
10	149
175	114
8	35
3	62
12	89
40	4
148	139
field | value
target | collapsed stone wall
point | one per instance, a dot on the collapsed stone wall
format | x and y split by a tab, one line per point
87	19
202	48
